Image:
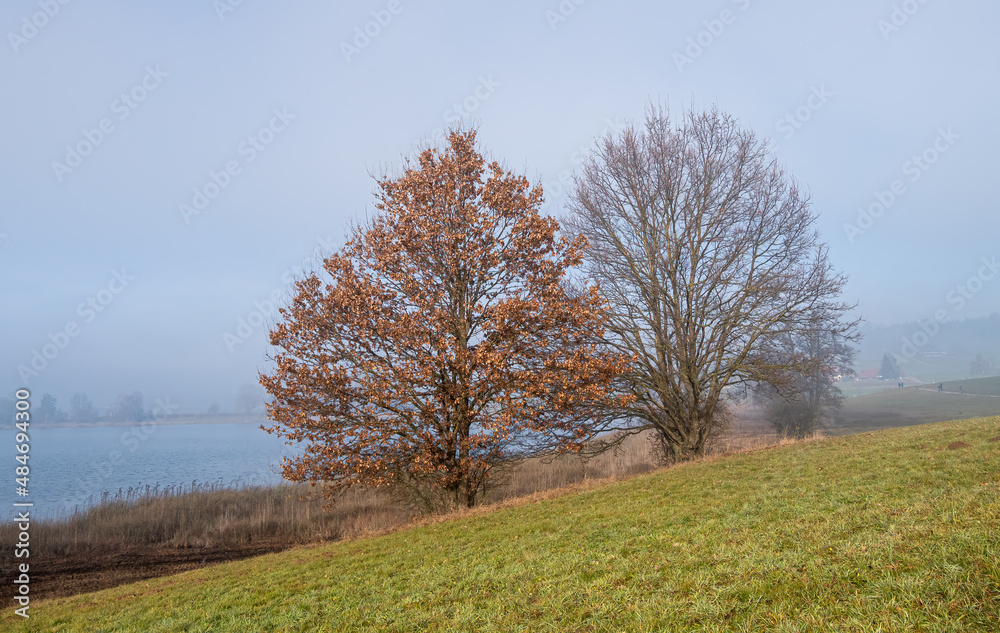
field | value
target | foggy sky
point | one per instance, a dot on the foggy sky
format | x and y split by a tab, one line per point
167	167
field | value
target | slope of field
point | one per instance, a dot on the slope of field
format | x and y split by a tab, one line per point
976	386
918	405
891	530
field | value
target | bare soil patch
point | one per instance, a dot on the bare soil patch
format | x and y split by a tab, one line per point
59	576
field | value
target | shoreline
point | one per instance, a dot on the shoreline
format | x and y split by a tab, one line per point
172	421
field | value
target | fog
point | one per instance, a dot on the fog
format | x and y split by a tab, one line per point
168	167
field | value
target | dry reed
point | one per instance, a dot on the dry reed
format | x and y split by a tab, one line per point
210	515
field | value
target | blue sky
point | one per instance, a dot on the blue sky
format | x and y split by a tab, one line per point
120	119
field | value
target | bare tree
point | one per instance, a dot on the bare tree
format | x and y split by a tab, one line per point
250	399
82	410
128	408
803	394
981	366
706	252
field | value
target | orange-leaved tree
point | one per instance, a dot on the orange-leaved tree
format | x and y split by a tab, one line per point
443	340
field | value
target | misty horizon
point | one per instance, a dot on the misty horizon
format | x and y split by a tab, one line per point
170	170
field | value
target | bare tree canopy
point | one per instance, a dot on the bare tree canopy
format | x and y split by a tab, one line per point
803	392
250	399
128	408
444	342
706	252
82	410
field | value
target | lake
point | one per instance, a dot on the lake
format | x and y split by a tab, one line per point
73	467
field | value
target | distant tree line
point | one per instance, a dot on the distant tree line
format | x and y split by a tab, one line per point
126	408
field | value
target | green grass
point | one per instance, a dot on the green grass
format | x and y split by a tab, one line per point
886	531
917	405
950	367
858	388
984	386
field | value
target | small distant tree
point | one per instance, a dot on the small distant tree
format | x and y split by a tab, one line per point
801	396
48	411
250	399
981	366
137	408
213	409
82	410
792	416
128	408
8	409
890	369
443	342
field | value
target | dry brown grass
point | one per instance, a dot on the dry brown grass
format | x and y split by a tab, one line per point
139	534
213	515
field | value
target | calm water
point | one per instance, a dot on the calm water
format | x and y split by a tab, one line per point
73	467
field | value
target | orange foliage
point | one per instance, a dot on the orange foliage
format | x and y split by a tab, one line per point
445	342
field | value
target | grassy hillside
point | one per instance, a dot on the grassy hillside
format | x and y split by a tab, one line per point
918	405
981	386
891	530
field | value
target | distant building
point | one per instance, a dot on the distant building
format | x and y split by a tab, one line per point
870	374
834	372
